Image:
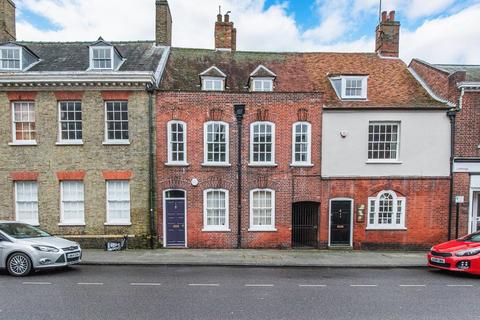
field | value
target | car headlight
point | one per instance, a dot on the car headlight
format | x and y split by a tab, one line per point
46	248
468	253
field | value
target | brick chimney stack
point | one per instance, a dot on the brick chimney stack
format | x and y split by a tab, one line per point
7	21
163	23
387	42
225	34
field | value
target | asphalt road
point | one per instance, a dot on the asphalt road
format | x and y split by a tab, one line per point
134	292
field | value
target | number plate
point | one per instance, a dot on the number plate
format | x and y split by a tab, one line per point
73	255
437	260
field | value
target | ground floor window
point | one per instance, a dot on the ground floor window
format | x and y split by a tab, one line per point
118	202
386	211
72	203
26	202
215	204
262	210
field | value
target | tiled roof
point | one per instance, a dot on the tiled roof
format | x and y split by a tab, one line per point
472	71
390	84
74	56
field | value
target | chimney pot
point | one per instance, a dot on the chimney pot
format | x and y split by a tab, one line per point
227	18
384	16
392	15
219	17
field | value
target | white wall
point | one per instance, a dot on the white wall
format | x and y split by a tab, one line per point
424	144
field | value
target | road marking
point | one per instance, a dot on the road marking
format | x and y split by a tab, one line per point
145	284
460	285
37	283
363	285
90	283
259	285
412	285
312	285
203	284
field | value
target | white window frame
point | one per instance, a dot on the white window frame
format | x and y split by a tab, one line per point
116	141
375	201
262	81
397	153
20	50
119	222
14	135
68	141
73	222
363	95
212	80
264	228
34	222
169	144
205	144
308	162
209	228
92	65
262	163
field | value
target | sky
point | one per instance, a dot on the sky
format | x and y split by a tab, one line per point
438	31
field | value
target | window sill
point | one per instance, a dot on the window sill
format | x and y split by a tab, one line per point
383	162
262	230
215	230
82	224
116	143
69	143
177	164
301	165
119	224
216	165
23	144
262	165
385	229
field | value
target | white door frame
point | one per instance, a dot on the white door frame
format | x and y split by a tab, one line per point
330	219
165	215
472	207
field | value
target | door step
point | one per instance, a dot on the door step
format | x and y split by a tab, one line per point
340	248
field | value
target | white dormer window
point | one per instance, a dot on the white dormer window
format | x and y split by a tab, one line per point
213	84
10	59
262	84
354	87
101	58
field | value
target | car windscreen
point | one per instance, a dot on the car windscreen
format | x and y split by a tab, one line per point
474	237
22	231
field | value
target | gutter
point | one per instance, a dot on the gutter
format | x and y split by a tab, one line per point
239	112
151	166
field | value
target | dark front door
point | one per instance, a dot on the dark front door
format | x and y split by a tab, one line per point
175	216
305	224
340	220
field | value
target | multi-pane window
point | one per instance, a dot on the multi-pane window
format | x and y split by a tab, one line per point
70	121
10	59
262	143
216	143
118	202
102	58
262	85
72	203
301	143
386	211
215	206
24	122
116	120
177	143
26	202
262	210
212	84
354	87
383	140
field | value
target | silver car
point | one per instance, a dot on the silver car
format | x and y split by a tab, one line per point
24	248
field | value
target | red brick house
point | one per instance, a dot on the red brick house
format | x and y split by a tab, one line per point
270	149
460	86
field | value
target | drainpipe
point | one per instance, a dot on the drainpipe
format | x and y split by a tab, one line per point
451	114
239	112
151	166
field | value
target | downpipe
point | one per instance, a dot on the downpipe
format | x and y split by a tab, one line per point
151	167
239	113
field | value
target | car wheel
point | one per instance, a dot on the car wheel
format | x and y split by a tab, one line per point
19	265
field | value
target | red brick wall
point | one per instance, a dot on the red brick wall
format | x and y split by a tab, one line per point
290	184
425	215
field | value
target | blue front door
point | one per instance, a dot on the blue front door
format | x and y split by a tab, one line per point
175	222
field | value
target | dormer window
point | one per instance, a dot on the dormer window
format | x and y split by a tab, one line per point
102	58
213	79
261	79
350	87
10	59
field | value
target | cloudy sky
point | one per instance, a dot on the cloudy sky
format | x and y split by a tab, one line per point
439	31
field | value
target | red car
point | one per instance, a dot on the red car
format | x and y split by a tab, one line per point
462	255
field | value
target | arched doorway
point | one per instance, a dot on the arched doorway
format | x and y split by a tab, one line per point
174	218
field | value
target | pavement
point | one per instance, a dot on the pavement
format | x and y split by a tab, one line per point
224	293
258	258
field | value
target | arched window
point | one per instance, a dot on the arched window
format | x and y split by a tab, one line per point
386	211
